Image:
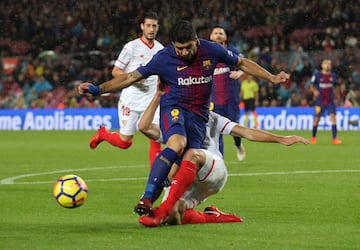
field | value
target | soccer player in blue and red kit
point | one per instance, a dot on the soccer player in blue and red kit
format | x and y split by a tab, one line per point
225	97
185	68
324	87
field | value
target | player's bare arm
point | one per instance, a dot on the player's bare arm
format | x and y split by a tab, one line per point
120	82
263	136
145	125
256	70
315	92
117	71
114	85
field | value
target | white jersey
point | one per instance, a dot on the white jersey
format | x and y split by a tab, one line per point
212	176
216	126
134	54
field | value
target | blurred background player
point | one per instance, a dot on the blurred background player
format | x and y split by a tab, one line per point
249	94
211	175
325	89
134	99
225	96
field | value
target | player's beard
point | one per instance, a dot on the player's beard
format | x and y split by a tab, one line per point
149	38
191	56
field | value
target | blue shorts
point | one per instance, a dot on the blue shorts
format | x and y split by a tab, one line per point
320	110
175	120
230	111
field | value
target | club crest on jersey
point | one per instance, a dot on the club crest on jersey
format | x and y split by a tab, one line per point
206	64
175	114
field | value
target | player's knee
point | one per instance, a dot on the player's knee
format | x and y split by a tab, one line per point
177	143
152	131
332	118
196	156
142	127
316	120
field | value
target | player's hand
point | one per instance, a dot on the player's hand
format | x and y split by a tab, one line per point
292	139
236	74
88	89
316	93
281	77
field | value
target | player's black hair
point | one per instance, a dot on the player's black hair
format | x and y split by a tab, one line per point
151	15
218	27
182	31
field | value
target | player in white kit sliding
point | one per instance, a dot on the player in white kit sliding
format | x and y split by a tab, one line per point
186	193
135	98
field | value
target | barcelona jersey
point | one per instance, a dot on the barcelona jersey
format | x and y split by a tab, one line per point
325	84
188	84
226	90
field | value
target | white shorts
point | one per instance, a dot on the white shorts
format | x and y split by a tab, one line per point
129	118
209	180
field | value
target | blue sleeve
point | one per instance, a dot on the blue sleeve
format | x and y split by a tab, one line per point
234	50
317	80
226	56
152	67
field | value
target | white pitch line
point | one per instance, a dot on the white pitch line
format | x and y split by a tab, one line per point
11	180
300	172
87	181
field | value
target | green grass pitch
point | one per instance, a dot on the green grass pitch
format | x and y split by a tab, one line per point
299	197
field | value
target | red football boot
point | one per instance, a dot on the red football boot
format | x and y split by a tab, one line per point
98	137
155	220
220	217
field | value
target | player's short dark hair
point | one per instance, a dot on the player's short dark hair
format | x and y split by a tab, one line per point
151	15
218	27
182	31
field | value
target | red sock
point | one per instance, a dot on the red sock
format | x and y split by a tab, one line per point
114	139
192	216
182	180
155	149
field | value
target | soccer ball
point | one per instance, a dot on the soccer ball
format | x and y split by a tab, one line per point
70	191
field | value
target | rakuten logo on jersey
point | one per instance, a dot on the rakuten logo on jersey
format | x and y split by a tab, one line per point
194	80
325	85
219	71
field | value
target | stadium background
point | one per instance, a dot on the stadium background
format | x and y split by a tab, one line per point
298	197
47	47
